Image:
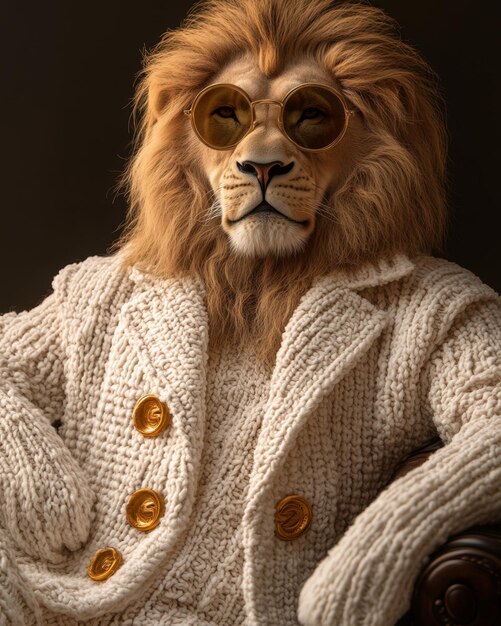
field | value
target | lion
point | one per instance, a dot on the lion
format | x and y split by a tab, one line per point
380	190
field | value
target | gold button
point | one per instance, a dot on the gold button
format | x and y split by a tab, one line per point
144	509
104	563
150	415
292	517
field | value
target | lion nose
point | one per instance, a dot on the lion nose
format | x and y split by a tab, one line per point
265	171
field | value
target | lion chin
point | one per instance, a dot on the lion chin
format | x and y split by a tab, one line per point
265	230
258	222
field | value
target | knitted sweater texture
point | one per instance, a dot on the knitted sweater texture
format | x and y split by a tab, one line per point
371	366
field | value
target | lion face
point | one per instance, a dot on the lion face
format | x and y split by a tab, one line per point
267	166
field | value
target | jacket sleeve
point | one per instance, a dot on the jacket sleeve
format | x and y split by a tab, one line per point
367	578
45	499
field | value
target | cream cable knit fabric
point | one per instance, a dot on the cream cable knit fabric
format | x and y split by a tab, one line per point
369	368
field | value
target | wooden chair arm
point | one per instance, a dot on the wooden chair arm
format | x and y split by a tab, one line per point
461	583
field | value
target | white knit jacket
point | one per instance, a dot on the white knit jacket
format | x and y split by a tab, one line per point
369	368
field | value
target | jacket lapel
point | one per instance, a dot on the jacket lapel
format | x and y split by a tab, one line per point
327	334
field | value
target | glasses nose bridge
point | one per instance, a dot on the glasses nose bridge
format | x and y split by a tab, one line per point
264	101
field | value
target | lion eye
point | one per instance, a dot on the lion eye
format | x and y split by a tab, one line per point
310	113
225	111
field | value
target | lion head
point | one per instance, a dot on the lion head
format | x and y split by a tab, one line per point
194	209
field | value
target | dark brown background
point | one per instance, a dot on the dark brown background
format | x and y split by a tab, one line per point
67	81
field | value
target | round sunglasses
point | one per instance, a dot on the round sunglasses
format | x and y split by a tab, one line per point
313	116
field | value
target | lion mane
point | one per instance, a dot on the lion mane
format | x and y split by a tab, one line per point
393	199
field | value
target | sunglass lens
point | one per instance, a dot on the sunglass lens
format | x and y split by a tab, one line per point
222	116
314	116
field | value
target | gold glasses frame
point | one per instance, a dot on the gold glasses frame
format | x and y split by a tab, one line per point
347	114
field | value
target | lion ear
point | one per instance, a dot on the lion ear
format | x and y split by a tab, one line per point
154	99
158	100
